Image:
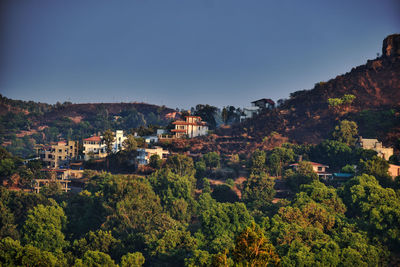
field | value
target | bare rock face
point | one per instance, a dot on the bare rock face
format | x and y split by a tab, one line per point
391	46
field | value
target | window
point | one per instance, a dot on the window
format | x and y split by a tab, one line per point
320	169
60	150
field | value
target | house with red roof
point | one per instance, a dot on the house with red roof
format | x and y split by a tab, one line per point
94	147
191	127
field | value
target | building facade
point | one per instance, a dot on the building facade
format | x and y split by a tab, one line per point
144	154
95	148
58	176
59	154
318	168
191	127
374	144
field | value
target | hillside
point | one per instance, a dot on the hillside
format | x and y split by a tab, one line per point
307	118
23	123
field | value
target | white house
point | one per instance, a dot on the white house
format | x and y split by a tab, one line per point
119	139
191	127
144	154
94	147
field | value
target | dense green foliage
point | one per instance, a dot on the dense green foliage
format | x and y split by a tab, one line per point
177	216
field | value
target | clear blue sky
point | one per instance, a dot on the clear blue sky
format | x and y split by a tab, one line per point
181	53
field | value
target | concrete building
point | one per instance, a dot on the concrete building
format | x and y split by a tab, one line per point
58	176
59	154
191	127
144	154
374	144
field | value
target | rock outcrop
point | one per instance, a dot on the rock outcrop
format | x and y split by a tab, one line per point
391	46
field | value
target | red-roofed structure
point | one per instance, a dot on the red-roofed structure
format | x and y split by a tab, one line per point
192	126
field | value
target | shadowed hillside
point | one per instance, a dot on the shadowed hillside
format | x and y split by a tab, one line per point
307	117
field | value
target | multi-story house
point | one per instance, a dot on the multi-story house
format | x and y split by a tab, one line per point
94	147
59	154
191	127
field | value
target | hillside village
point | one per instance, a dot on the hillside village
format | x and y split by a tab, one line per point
313	180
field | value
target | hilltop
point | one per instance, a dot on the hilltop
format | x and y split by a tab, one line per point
307	118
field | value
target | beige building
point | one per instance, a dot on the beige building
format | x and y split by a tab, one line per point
94	148
374	144
394	170
318	168
191	127
58	176
144	154
59	154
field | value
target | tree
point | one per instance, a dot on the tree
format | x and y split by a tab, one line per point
376	209
212	160
221	222
181	165
201	168
348	99
43	228
155	161
199	258
258	191
253	249
7	223
304	174
108	139
345	132
378	168
333	153
101	241
224	193
95	259
130	143
207	113
257	162
278	157
135	259
170	186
